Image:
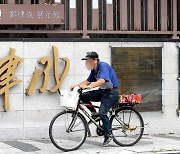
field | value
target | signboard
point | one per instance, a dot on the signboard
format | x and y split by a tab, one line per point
31	14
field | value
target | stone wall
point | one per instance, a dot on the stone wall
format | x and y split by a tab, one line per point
29	116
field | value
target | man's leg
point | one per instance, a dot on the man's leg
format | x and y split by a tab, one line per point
106	104
86	98
89	96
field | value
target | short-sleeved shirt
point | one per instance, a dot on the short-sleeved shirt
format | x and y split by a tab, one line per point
106	72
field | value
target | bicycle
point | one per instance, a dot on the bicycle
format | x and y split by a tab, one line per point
68	130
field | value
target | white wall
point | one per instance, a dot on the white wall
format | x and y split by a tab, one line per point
29	116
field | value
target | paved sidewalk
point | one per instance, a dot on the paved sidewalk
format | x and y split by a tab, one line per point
93	145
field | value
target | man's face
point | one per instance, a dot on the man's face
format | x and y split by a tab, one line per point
90	63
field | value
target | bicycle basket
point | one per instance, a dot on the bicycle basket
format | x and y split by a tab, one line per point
69	99
130	98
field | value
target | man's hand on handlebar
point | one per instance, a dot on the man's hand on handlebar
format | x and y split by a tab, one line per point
72	87
82	86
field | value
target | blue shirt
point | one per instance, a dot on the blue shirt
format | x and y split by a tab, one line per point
106	72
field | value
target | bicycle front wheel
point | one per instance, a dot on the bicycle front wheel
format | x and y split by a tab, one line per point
68	132
127	126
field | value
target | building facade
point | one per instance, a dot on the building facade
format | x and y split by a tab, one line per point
139	38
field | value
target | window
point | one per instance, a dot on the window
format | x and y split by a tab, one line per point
57	1
18	1
34	1
3	1
139	71
49	1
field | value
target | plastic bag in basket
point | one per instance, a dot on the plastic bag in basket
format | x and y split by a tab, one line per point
69	99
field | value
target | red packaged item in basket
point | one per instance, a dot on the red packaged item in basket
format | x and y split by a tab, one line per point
130	98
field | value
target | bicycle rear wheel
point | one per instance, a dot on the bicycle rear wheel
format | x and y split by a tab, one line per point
127	126
65	134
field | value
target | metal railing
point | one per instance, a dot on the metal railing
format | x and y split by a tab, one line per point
99	17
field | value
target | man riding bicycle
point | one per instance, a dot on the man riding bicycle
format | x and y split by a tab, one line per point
103	76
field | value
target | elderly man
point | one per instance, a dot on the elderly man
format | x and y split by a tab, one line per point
102	75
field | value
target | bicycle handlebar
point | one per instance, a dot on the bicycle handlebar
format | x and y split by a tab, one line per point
80	90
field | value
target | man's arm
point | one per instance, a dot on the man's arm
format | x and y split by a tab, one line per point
96	84
83	84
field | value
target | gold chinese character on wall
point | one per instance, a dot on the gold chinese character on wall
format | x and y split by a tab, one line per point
48	63
7	77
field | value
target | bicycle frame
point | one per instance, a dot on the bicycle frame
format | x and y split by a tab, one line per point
79	106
